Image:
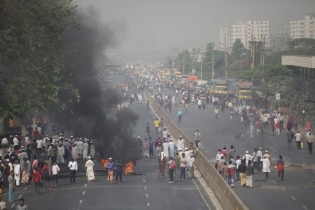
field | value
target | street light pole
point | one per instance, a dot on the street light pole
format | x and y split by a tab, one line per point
212	73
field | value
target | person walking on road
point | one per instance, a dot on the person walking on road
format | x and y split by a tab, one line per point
237	162
231	171
146	148
180	143
161	124
280	166
110	169
249	175
158	145
147	129
17	173
119	170
150	147
177	163
290	136
242	171
179	116
251	130
89	169
36	180
156	126
192	165
266	166
11	193
298	139
46	175
171	168
73	166
165	149
182	167
162	162
216	111
25	170
197	136
55	170
171	147
310	141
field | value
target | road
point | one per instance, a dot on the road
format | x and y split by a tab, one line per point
295	192
142	191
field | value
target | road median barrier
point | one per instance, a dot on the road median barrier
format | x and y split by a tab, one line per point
223	192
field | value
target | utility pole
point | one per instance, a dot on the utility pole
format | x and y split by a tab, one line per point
212	73
263	57
226	67
184	62
252	51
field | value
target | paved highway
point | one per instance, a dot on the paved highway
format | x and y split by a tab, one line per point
142	191
295	192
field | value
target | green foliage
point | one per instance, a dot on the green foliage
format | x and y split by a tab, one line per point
306	43
184	58
238	50
32	52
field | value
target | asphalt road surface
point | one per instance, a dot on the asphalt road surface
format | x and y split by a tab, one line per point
295	192
142	191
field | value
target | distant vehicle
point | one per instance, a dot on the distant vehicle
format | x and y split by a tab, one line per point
10	127
244	90
200	82
169	77
218	86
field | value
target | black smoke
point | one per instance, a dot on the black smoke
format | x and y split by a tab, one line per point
90	116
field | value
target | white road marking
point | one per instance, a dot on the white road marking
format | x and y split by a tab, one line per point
80	201
293	198
25	188
83	192
146	195
274	182
145	187
304	207
284	190
85	185
140	163
201	195
148	204
143	180
12	205
20	196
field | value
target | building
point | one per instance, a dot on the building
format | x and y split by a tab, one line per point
280	37
303	28
246	32
305	64
224	34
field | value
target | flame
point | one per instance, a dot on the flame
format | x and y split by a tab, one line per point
104	163
129	167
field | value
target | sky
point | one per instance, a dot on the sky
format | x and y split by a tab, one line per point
160	25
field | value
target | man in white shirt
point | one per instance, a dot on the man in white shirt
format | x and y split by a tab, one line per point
237	162
4	144
298	139
259	156
79	144
180	143
15	143
218	158
73	165
247	157
39	147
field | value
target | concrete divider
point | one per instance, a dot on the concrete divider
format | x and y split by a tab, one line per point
223	192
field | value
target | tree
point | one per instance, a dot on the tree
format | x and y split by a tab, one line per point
219	62
238	50
184	57
305	43
269	78
32	53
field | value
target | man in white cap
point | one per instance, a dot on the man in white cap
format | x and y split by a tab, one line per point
187	156
180	143
85	149
89	169
80	147
171	146
267	155
259	156
247	157
251	130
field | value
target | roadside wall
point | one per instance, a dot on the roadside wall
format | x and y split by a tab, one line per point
224	193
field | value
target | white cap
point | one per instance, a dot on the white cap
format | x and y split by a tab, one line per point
138	137
246	152
266	151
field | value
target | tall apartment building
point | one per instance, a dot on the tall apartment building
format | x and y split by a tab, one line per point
303	28
245	31
280	37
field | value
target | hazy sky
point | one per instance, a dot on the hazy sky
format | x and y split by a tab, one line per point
188	23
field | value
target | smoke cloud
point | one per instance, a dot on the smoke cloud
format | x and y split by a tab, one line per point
89	118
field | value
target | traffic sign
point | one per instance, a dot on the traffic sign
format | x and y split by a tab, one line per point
277	96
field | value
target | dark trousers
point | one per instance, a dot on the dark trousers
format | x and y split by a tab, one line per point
182	172
151	152
298	144
237	175
197	141
36	186
118	174
170	173
38	151
72	176
281	173
310	147
266	175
